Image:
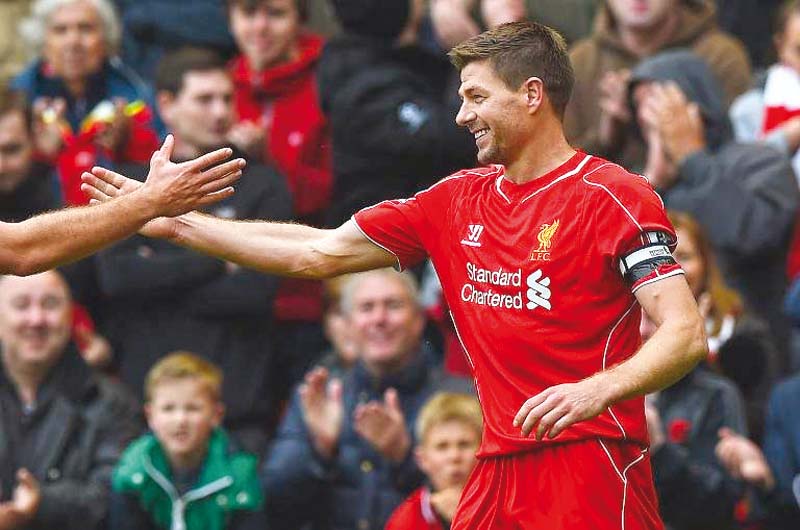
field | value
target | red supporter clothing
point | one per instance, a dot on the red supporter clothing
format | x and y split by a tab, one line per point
532	276
416	513
284	100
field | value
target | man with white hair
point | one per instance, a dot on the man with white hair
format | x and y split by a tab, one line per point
88	106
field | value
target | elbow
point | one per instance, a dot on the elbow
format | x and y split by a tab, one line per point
697	342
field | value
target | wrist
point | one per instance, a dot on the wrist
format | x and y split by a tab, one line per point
399	451
147	206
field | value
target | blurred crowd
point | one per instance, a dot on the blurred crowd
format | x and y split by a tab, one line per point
151	386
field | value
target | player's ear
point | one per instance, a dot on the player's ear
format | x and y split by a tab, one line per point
533	90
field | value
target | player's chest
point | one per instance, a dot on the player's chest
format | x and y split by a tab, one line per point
521	256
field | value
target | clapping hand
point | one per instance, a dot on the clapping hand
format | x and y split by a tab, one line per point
383	425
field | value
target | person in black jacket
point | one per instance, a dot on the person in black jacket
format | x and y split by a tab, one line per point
160	298
391	105
62	427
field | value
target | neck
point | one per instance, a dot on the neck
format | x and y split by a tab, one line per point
259	66
546	150
646	41
189	461
26	379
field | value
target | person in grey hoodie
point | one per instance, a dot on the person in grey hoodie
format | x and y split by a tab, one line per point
744	195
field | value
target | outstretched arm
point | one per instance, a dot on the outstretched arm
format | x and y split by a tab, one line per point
285	249
675	348
55	238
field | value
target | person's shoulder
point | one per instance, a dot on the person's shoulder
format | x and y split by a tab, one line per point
465	177
604	174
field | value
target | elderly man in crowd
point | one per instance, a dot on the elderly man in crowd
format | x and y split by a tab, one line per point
344	452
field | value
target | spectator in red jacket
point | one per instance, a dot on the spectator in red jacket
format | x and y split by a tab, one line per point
280	123
276	96
449	431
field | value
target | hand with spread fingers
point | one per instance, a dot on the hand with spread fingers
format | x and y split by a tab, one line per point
556	408
171	189
384	427
323	410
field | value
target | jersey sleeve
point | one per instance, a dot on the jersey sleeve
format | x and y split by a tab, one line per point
407	227
633	229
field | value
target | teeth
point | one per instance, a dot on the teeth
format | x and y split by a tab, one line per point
480	133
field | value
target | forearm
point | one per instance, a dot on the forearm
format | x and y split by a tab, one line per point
59	237
283	249
675	348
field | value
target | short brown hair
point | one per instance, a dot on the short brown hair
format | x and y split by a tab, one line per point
448	406
174	66
181	365
15	101
252	5
518	51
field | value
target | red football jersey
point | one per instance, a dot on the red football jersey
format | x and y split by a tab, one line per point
532	276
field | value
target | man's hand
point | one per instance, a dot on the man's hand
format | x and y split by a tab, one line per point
174	189
384	426
171	189
615	112
95	349
556	408
115	133
452	21
248	137
744	460
16	513
48	122
445	502
496	12
678	122
323	410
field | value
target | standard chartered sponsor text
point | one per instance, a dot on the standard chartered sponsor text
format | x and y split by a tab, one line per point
488	297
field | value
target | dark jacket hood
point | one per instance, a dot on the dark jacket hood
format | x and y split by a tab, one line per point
696	81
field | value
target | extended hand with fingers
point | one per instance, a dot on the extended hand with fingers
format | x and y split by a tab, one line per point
323	410
171	189
556	408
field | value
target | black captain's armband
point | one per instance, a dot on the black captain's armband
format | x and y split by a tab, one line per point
650	257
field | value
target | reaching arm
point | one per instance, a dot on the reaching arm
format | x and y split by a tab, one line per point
676	347
55	238
284	249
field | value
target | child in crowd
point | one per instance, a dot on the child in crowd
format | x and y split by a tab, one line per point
185	475
449	432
